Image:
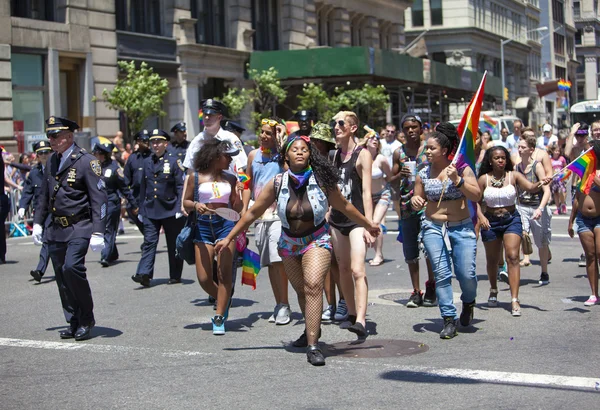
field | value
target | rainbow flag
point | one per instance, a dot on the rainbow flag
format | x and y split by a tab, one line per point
563	175
244	179
489	122
585	167
467	129
201	116
250	268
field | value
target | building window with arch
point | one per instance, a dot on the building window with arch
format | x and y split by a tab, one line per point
210	28
325	28
33	9
357	22
437	16
139	16
385	35
265	23
416	13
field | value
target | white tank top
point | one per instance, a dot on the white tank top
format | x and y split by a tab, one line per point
500	197
214	192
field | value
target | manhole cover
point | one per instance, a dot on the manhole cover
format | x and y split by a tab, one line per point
395	297
375	348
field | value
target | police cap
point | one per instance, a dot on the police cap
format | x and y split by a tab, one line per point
54	125
180	126
304	115
233	126
211	106
142	135
42	147
104	147
159	134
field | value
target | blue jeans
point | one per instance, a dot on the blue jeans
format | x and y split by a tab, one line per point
462	255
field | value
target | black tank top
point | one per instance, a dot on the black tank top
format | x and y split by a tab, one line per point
350	184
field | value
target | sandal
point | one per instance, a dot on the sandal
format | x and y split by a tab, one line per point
493	298
516	311
523	263
373	263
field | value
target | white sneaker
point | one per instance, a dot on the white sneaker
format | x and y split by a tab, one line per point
582	261
272	318
328	313
341	313
283	316
593	300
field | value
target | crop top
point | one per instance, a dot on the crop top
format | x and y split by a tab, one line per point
376	173
433	187
214	192
500	197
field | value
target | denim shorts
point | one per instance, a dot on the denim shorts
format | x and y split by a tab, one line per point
410	229
501	225
211	229
585	224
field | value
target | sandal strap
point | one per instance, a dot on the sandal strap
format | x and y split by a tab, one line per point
515	300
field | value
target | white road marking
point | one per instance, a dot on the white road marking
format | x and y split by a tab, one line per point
40	344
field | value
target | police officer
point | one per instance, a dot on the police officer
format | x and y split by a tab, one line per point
160	207
304	118
134	171
236	129
114	179
73	195
30	196
179	144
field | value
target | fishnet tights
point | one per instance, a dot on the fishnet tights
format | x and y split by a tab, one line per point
307	275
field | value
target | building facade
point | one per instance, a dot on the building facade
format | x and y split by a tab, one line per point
587	45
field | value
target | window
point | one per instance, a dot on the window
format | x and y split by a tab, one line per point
33	9
581	66
437	17
560	72
28	91
558	11
210	28
559	44
139	16
385	35
570	47
417	13
325	32
578	37
357	22
576	9
266	25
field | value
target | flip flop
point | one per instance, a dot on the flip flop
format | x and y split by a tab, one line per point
524	264
372	263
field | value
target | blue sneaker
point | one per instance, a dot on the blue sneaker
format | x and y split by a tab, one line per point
218	325
503	273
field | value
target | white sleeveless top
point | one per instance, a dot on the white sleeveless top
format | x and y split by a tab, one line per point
500	197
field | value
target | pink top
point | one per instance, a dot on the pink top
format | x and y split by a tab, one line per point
558	164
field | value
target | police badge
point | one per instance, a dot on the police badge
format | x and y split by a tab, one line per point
181	167
96	167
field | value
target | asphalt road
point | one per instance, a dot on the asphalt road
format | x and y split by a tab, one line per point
154	348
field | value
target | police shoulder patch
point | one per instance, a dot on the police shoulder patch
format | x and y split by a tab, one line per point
238	145
120	172
180	165
96	167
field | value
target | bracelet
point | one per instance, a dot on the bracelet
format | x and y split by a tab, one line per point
461	182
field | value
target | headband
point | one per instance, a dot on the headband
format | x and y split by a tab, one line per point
296	138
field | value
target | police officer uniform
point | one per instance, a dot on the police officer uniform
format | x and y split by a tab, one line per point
304	118
30	196
178	149
114	179
133	172
160	207
73	196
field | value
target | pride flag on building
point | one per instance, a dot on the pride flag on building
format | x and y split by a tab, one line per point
585	166
250	268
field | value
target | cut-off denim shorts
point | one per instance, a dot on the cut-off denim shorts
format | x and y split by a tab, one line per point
509	222
211	228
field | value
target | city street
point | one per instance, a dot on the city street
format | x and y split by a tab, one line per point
154	348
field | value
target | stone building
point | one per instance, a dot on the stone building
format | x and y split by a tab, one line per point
587	44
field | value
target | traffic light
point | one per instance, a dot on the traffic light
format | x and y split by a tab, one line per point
505	93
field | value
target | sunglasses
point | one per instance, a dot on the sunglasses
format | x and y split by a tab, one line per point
266	121
341	123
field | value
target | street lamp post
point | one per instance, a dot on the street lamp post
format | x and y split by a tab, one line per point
502	43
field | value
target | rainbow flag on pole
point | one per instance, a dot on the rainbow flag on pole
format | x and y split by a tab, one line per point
489	122
585	167
250	268
201	116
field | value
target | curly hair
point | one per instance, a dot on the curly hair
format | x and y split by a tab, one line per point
446	135
325	172
486	166
210	151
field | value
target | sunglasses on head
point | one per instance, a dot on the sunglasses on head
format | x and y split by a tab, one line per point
268	121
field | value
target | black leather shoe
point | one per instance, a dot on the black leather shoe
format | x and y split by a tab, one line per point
84	332
69	333
36	275
314	356
174	281
104	263
358	329
136	278
145	281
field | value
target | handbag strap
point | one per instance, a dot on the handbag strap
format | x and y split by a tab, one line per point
195	194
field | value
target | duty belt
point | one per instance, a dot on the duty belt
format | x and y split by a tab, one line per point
66	221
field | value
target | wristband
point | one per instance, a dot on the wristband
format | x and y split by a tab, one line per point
461	182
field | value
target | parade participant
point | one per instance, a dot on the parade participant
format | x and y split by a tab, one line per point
160	204
31	195
216	189
532	206
402	181
179	144
558	186
445	190
303	195
381	173
114	180
305	119
263	165
349	238
4	209
74	197
501	222
389	143
134	173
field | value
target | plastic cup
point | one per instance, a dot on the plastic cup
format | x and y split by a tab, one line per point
412	165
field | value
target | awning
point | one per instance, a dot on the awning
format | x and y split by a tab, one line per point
522	103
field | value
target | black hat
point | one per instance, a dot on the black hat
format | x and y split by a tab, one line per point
411	117
180	126
159	134
232	126
304	115
106	147
41	147
142	135
583	129
211	106
54	125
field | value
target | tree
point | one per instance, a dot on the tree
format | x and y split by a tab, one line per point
235	100
139	94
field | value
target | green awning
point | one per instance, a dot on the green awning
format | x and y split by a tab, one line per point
363	61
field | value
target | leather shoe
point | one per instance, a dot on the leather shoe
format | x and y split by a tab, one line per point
36	275
84	332
104	263
69	333
173	281
145	281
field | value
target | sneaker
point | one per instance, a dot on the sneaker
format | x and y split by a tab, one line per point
218	325
582	261
314	356
563	208
556	212
449	330
544	278
275	311
502	273
283	315
341	313
328	313
466	316
593	300
430	299
415	300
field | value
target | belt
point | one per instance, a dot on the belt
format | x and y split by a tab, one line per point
498	217
450	224
66	221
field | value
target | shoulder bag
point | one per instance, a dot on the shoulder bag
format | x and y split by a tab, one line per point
184	244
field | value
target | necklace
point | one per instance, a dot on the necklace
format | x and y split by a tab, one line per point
498	183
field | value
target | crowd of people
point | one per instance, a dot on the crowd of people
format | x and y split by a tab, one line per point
317	199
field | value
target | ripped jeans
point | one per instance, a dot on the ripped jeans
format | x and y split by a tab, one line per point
461	256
